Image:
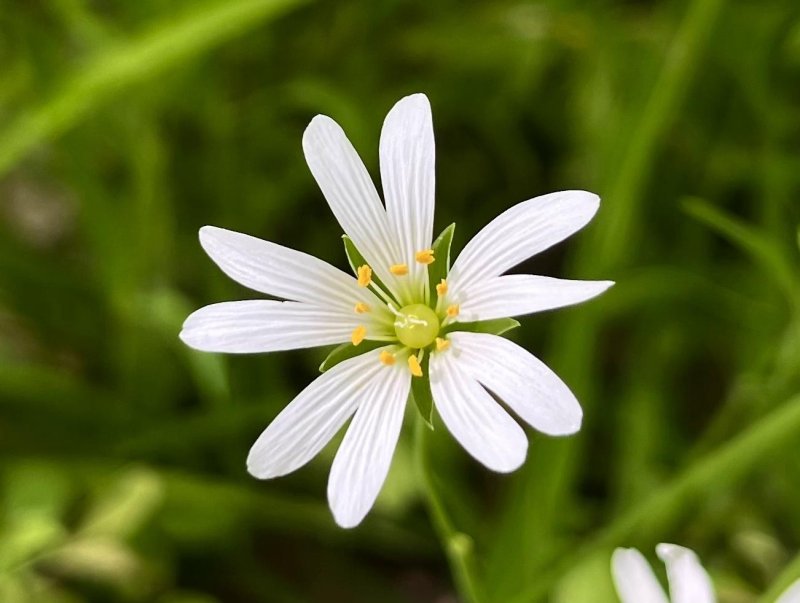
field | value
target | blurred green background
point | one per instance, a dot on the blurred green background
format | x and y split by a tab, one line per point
125	126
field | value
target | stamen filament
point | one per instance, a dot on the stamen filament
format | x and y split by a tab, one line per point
386	297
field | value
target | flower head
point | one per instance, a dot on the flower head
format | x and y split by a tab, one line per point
405	320
688	581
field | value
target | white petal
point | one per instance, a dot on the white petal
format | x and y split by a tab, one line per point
351	194
791	595
688	581
522	231
518	378
475	419
363	459
408	154
634	578
517	294
253	326
280	271
303	428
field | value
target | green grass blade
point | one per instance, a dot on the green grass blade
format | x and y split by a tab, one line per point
131	63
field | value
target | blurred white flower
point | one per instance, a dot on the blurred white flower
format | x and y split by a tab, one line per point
397	298
688	581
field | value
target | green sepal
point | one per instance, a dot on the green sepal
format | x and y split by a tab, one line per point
421	393
346	351
354	256
498	326
441	265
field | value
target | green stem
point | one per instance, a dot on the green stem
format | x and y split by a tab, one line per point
457	545
668	93
785	579
729	464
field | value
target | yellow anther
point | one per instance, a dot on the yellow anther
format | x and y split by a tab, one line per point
414	367
387	358
359	333
452	310
441	288
425	256
441	344
361	308
364	275
399	269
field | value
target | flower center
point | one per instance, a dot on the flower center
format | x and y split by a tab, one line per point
416	326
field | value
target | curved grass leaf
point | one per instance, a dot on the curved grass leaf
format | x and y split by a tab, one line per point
758	245
117	69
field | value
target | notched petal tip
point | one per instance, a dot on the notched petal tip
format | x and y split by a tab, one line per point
214	240
588	197
511	464
570	426
186	337
318	125
347	519
416	102
257	467
586	202
208	235
667	551
190	334
622	557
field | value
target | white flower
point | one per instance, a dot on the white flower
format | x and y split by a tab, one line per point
392	301
688	581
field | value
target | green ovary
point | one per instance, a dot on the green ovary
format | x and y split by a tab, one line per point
416	326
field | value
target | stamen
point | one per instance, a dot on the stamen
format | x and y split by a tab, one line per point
425	256
361	308
441	288
364	275
387	358
399	269
452	310
414	367
359	333
441	344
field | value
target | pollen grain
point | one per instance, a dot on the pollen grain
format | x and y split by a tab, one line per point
441	344
441	288
414	367
387	358
452	310
364	275
361	308
425	256
359	333
399	269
